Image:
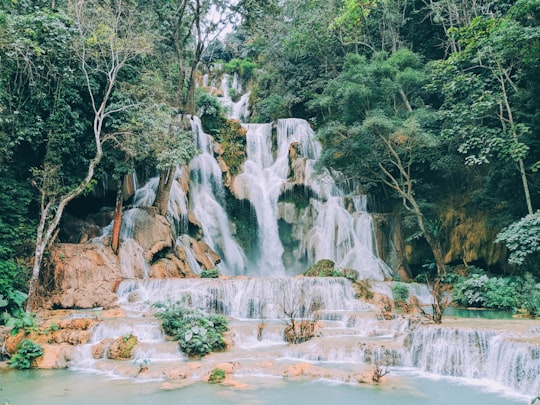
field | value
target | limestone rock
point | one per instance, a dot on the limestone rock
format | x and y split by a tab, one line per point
151	231
122	348
54	356
99	350
82	276
202	253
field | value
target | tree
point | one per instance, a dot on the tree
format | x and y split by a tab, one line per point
187	27
522	238
480	84
111	35
383	138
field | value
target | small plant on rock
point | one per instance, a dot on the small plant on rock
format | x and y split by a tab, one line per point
210	273
217	376
27	352
378	372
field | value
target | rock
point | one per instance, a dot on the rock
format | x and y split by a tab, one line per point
229	367
77	230
99	350
230	382
167	268
54	356
82	276
12	342
151	231
114	313
122	347
296	370
175	374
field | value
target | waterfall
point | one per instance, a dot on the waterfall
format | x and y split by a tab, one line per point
260	182
249	298
207	204
477	354
236	110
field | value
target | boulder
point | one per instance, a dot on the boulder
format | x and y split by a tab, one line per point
82	276
151	231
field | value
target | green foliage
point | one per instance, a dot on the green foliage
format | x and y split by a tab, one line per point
197	333
232	137
216	376
27	352
244	67
21	320
12	287
323	268
505	293
522	238
400	292
210	273
129	341
210	111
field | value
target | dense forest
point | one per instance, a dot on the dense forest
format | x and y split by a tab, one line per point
433	106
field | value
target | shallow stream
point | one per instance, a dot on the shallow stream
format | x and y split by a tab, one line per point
62	387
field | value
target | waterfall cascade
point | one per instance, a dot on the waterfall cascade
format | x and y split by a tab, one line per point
331	222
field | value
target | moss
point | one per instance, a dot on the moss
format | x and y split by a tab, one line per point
217	376
232	137
323	268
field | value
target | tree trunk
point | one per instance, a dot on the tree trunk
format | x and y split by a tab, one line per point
117	224
166	178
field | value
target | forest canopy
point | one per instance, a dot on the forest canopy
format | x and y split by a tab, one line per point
425	103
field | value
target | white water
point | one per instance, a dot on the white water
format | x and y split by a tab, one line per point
332	225
207	200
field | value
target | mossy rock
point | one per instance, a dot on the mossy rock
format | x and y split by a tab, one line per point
122	348
217	376
323	268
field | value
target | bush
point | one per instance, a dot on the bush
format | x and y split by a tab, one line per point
400	292
522	238
12	287
27	352
197	333
508	293
232	137
210	273
216	376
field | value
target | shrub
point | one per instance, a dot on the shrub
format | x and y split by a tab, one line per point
232	137
400	292
522	238
216	376
27	352
12	287
505	293
210	273
197	333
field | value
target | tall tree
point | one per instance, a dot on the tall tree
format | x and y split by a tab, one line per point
111	35
481	84
187	26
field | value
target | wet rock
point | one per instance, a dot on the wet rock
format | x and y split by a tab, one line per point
297	370
122	347
99	350
175	374
151	231
229	367
54	356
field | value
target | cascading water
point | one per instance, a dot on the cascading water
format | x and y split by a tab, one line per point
330	222
207	200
